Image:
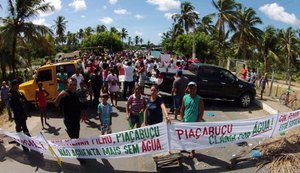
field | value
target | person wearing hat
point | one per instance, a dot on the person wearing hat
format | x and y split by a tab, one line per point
192	108
61	79
16	102
178	91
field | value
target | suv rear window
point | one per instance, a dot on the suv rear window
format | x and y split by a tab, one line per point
68	68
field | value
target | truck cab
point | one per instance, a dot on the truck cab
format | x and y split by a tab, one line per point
47	75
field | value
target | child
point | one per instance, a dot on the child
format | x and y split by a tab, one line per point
263	82
104	112
113	86
82	93
40	100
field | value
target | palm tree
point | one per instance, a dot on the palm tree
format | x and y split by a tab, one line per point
187	17
114	30
60	27
267	46
16	24
88	31
124	33
205	25
246	33
290	46
227	13
137	39
141	41
129	41
101	28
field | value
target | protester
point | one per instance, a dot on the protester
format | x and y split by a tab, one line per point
253	76
129	80
71	106
104	111
61	80
142	76
263	82
244	72
178	91
155	108
82	94
40	99
16	103
135	108
113	87
5	98
95	84
78	76
192	108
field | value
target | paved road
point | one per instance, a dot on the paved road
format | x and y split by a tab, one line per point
211	160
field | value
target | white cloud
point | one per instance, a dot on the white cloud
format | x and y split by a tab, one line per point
138	16
104	7
78	5
40	21
121	11
112	2
169	15
165	5
82	16
106	20
119	29
278	13
138	33
160	34
55	3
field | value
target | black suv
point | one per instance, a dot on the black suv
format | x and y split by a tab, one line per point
213	83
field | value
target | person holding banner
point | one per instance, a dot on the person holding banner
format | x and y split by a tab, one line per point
72	110
15	101
135	108
192	108
155	108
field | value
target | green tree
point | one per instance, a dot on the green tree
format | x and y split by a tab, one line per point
106	39
141	41
124	34
101	28
60	28
187	17
247	33
17	26
88	31
227	14
267	46
136	39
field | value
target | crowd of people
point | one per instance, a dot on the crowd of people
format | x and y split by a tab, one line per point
99	76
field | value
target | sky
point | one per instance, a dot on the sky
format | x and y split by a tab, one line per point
150	18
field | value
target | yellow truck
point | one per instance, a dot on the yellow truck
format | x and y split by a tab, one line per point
47	74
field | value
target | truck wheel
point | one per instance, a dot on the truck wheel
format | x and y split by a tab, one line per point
245	100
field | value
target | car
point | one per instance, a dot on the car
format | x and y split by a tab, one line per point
47	75
213	82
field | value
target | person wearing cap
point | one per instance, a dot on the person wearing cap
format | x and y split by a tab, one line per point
16	102
61	79
178	91
192	108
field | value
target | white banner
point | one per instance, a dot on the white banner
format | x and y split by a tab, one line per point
163	137
190	136
143	141
286	121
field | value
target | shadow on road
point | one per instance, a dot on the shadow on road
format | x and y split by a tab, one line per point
52	130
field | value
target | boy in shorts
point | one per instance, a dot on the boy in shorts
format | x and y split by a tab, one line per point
104	111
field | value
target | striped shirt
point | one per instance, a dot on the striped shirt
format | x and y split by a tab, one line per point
136	103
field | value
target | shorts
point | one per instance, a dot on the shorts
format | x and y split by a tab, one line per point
83	105
177	100
134	118
105	128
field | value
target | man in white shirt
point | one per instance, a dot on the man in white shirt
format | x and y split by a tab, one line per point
129	81
78	76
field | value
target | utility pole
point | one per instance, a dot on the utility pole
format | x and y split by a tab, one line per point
194	48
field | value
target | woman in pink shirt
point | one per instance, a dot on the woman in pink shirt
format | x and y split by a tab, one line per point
113	86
